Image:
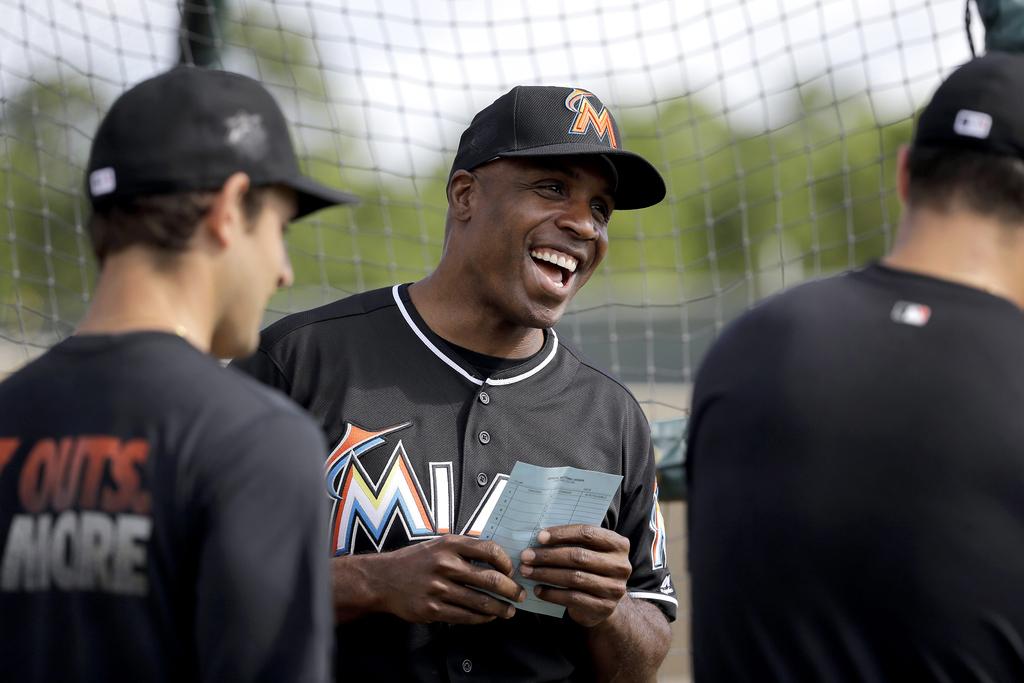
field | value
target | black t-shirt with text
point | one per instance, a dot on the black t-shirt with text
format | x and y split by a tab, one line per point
159	520
857	476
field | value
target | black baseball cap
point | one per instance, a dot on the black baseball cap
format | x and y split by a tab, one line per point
542	120
978	108
189	129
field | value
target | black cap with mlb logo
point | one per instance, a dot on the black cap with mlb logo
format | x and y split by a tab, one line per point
530	121
189	129
978	108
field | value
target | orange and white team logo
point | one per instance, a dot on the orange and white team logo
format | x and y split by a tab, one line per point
370	508
83	515
587	115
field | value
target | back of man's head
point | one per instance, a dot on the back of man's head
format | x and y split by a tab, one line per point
968	149
170	143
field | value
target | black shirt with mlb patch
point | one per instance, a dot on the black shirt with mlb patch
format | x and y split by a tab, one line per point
422	444
856	455
159	520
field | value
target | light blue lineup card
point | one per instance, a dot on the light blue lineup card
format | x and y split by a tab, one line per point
535	498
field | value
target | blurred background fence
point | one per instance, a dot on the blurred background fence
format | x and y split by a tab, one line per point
775	123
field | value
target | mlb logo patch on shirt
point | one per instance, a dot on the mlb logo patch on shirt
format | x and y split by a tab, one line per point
910	313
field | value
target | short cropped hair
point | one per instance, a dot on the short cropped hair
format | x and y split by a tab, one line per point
165	222
987	184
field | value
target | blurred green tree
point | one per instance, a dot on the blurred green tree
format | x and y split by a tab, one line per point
46	267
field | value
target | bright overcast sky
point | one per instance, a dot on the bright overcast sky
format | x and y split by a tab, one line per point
415	70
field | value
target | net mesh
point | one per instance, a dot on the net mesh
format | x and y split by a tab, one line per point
775	124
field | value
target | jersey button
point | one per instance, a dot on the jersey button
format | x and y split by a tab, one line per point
484	437
467	665
484	397
481	479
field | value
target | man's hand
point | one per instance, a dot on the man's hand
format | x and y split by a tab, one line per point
430	581
590	563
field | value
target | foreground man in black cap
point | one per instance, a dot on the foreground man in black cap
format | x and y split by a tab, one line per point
159	518
856	446
431	393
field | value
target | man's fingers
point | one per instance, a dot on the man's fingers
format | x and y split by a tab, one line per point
577	580
478	603
570	598
583	609
488	580
586	535
451	614
613	565
481	551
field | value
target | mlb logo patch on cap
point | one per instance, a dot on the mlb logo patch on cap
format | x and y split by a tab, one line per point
973	124
102	181
910	313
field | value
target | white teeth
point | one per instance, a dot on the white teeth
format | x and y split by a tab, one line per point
560	260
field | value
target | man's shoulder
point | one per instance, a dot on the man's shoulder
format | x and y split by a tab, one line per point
829	300
823	292
144	379
796	315
258	398
230	399
350	310
592	377
236	414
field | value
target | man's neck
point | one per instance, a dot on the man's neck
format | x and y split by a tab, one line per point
962	247
476	327
132	295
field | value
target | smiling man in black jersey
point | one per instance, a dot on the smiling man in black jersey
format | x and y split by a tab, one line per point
856	445
431	392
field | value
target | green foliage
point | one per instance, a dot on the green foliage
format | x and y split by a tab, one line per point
812	197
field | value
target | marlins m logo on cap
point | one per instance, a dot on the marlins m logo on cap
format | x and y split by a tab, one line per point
587	115
528	121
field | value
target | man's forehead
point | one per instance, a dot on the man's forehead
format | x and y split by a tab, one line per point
572	166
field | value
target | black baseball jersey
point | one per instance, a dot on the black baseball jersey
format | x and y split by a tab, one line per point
856	484
422	446
159	520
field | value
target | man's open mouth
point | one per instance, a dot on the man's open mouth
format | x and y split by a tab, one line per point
556	266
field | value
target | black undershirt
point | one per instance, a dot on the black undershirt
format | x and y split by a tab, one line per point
484	365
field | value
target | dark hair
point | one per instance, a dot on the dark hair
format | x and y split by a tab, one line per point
165	222
985	183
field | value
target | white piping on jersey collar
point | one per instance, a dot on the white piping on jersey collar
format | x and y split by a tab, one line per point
455	366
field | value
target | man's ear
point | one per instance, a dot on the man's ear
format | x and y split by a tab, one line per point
461	191
227	216
903	173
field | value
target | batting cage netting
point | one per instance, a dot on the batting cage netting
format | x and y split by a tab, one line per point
775	123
